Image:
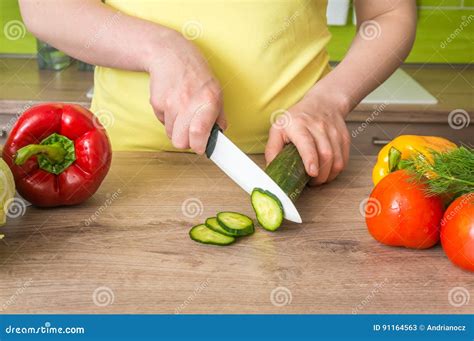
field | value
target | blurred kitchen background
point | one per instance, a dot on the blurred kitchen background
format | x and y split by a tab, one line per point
432	94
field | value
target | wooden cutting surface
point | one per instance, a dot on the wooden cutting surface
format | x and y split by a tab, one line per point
127	250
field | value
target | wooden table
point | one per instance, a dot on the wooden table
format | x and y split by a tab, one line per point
127	250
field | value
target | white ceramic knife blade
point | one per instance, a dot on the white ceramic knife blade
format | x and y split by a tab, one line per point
246	173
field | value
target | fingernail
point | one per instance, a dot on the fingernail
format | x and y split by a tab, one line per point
313	170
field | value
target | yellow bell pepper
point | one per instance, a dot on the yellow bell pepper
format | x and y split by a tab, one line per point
403	148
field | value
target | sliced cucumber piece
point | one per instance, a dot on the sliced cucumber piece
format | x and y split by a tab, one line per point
288	171
214	225
203	234
268	209
235	223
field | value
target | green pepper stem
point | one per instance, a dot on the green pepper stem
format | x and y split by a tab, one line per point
394	157
55	153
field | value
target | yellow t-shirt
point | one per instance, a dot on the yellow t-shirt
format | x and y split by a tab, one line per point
265	53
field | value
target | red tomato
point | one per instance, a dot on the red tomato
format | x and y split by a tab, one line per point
457	232
402	215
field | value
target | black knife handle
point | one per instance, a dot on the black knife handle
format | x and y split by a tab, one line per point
211	143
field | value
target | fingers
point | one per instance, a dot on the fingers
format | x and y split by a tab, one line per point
340	149
346	145
155	104
342	142
160	116
305	143
170	118
201	125
181	129
180	134
325	153
275	144
338	161
191	126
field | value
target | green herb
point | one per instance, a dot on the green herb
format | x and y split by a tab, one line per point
449	173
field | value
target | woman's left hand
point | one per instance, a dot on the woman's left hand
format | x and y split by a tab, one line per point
316	126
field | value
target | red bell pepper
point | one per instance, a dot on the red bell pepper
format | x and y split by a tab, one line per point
58	153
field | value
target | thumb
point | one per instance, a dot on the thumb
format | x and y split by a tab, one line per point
275	144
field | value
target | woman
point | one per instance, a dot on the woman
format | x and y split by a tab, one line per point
243	64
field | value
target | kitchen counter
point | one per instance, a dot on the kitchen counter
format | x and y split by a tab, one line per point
22	85
127	250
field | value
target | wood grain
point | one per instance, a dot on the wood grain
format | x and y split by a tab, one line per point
136	245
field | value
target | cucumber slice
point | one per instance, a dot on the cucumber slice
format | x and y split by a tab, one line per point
214	225
235	223
268	209
203	234
287	170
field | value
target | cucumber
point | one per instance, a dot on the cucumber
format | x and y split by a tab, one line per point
235	223
287	170
214	225
268	209
203	234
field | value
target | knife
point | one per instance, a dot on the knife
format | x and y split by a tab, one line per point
245	173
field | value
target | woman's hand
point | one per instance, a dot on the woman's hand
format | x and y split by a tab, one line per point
316	124
184	94
316	127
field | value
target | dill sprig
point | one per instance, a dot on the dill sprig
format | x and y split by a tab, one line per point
450	172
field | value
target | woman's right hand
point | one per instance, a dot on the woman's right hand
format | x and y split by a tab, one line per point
184	94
